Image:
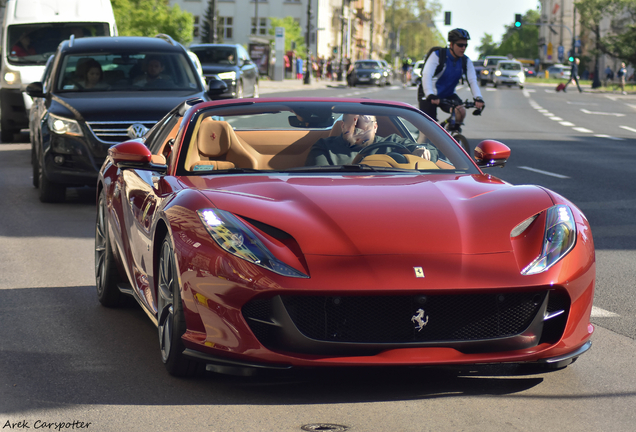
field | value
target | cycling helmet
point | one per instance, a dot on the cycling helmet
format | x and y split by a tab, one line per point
457	34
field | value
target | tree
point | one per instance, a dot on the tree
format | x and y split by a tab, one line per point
519	42
209	23
592	13
293	33
414	19
151	17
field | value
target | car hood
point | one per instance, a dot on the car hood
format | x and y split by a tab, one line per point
463	214
116	106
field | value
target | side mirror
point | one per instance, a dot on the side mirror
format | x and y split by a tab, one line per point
216	87
490	153
35	89
134	155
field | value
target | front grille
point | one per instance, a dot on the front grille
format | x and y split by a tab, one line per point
115	132
401	319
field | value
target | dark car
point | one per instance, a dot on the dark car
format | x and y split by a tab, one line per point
232	64
487	73
368	72
479	66
97	92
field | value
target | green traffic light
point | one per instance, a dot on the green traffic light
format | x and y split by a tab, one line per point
571	58
517	24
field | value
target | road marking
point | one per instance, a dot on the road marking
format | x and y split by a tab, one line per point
631	105
583	110
543	110
597	312
555	118
609	137
628	128
548	173
566	123
582	103
548	114
491	89
583	130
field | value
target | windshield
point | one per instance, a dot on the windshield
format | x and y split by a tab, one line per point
510	66
33	44
126	71
215	55
367	65
318	137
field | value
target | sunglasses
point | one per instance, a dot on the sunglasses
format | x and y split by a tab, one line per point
461	45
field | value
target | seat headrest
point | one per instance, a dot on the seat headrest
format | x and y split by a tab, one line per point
214	138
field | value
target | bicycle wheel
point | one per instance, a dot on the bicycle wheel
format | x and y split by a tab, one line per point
463	141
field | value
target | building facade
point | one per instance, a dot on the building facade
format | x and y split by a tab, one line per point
338	28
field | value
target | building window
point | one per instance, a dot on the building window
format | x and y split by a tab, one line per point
226	24
262	26
196	26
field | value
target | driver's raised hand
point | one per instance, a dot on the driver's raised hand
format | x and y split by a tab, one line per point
359	129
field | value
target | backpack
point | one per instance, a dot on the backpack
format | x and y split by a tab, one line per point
620	73
442	61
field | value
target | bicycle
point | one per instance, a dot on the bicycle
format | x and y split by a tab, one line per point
451	125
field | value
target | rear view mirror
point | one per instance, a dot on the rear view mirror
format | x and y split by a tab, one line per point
216	87
35	89
490	153
134	155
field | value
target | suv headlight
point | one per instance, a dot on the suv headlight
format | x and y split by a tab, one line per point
236	238
227	75
375	75
64	126
558	239
12	77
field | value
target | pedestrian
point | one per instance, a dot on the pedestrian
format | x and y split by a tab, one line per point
299	68
622	74
609	75
574	75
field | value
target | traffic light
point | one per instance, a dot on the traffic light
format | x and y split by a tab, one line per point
517	20
447	18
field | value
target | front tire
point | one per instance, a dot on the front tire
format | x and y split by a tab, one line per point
483	83
239	90
106	274
170	316
49	192
463	141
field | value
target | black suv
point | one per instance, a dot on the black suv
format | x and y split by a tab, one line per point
232	64
99	91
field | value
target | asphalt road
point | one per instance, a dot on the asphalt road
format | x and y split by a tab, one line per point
64	358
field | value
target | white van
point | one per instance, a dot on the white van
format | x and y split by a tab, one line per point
31	32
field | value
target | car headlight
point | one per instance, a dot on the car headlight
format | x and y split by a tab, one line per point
228	75
64	126
236	238
485	72
558	239
498	73
521	75
12	77
375	75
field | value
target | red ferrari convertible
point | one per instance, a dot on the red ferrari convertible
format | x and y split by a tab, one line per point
279	233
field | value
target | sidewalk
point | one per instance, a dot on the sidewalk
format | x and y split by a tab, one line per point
267	86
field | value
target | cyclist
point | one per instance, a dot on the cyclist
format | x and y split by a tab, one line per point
440	82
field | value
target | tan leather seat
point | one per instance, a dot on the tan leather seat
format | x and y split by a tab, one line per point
219	148
336	129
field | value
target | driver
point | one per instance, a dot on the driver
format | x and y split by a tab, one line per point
358	132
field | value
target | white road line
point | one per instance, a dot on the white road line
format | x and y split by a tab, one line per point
583	130
566	123
597	312
628	128
544	172
584	111
530	90
609	137
548	114
555	118
581	103
631	105
543	110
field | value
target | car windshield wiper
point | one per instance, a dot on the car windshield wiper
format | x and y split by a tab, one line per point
236	170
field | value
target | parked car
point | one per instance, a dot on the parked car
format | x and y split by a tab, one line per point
368	72
559	71
490	62
74	121
509	72
231	63
530	71
416	74
247	257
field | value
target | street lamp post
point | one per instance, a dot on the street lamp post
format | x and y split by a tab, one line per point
308	65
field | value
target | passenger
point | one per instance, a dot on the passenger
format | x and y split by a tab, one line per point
91	76
358	132
154	72
23	47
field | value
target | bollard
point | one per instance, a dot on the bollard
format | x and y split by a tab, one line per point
547	74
